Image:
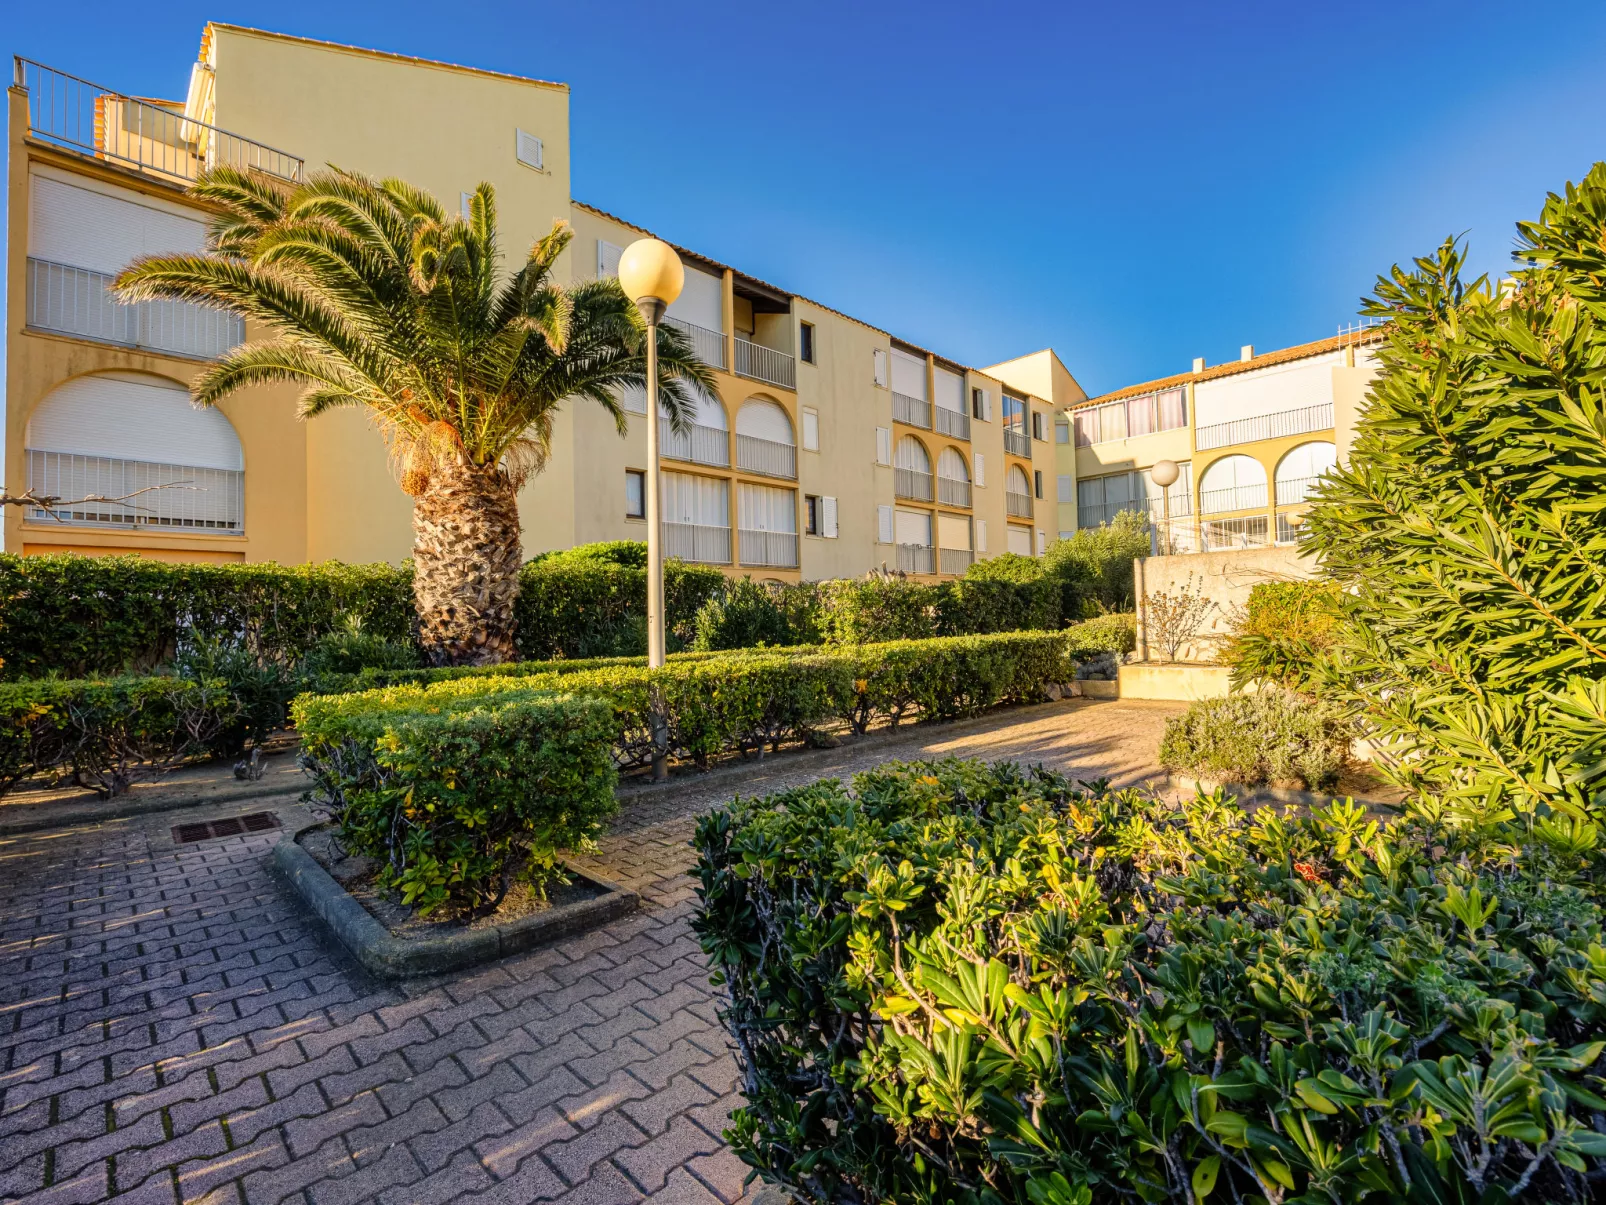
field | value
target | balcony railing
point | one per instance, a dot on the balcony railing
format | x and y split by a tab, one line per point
767	457
911	410
1017	443
1098	516
917	558
765	364
1237	497
910	483
955	423
1292	490
709	345
1017	504
951	492
77	301
700	445
1265	426
154	139
769	549
955	560
1289	528
178	497
698	542
1248	531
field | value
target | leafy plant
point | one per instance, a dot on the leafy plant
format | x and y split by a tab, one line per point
745	614
967	982
1281	632
1271	736
1094	565
261	690
352	648
1173	619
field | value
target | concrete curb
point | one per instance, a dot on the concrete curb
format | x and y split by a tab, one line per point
20	818
390	957
1255	795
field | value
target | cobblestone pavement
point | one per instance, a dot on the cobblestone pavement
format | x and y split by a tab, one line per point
173	1029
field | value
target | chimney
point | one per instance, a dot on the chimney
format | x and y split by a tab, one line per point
1198	364
1246	352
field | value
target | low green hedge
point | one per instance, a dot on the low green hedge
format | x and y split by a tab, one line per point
1271	736
967	983
459	795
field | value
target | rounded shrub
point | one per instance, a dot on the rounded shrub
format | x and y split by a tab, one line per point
1271	736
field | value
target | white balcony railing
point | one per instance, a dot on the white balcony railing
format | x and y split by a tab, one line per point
700	445
1248	531
765	364
1236	497
176	496
911	410
1265	426
954	423
698	542
1017	504
709	345
150	138
1289	528
952	492
909	483
767	457
1017	443
917	558
77	301
955	560
1292	490
769	549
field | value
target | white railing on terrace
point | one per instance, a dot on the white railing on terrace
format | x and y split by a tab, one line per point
1248	531
700	445
1292	490
911	410
955	423
709	345
917	558
765	364
1017	443
159	141
955	560
77	301
769	549
1017	504
953	492
1098	516
766	456
910	483
196	500
698	542
1289	527
1236	497
1265	426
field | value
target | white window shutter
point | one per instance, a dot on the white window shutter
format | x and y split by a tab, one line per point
811	430
828	517
981	535
528	149
883	515
987	405
881	368
981	470
463	199
607	259
883	445
1042	544
1067	488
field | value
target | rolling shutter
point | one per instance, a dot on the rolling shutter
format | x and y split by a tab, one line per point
83	228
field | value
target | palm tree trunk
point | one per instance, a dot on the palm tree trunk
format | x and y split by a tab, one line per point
466	566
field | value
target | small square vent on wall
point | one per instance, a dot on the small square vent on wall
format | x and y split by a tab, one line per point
529	150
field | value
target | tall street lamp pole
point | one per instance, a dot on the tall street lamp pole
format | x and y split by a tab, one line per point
1164	474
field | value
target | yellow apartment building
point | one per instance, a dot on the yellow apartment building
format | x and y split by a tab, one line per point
831	449
1250	439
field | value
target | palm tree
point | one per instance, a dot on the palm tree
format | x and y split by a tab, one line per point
377	298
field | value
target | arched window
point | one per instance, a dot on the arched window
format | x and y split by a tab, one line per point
115	433
911	474
1232	483
764	442
912	455
1017	482
706	412
1300	470
951	466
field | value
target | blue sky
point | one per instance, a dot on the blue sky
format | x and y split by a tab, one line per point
1133	185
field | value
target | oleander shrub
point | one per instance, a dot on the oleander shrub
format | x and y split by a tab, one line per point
260	688
1282	630
1271	736
460	795
743	614
960	982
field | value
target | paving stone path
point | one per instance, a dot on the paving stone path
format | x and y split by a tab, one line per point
174	1029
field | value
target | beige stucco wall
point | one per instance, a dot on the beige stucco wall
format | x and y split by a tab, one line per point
1225	578
1351	387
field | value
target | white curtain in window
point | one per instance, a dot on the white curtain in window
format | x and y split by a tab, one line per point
704	501
766	508
1112	421
1017	483
1307	460
908	374
1172	406
951	464
1233	472
912	455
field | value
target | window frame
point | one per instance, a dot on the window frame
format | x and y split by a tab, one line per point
640	475
811	514
805	342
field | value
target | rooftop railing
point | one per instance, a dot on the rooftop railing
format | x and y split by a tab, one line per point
1302	421
151	137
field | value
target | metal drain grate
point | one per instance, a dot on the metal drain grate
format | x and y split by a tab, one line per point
229	826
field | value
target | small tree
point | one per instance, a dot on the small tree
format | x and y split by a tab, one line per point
1094	565
1172	619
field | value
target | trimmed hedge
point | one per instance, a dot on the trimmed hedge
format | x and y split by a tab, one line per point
958	982
458	796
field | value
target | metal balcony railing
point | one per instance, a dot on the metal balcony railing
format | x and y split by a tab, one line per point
699	542
1248	531
1289	528
910	483
952	492
955	560
769	549
709	345
911	410
1017	504
765	364
700	445
917	558
767	457
1017	443
178	496
1098	516
1292	490
154	139
77	301
1265	426
1237	497
954	423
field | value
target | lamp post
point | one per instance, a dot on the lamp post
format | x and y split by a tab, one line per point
1164	474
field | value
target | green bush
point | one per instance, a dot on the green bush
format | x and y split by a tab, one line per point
958	982
868	610
261	691
352	648
459	795
1094	565
1271	736
1005	567
970	606
1283	629
577	605
1117	634
742	615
